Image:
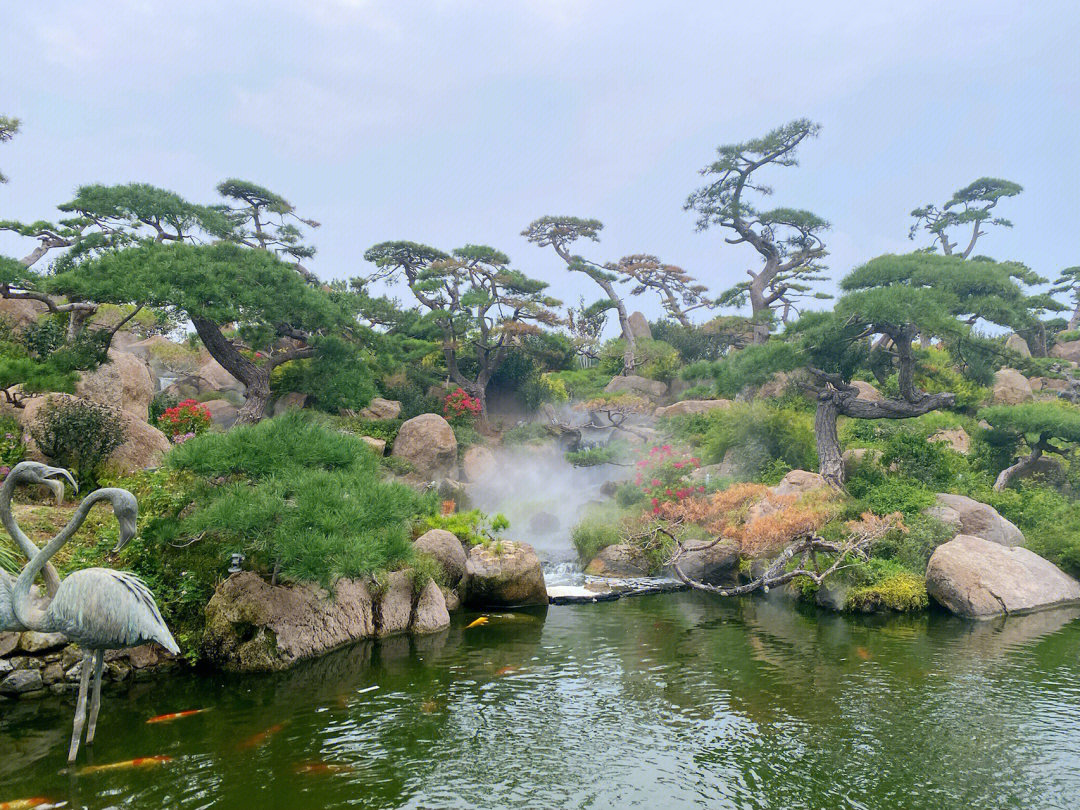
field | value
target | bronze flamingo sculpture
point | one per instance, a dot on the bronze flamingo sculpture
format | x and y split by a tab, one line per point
97	608
26	472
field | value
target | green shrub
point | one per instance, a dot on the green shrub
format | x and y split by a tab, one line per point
912	549
159	404
912	456
583	383
12	447
526	433
901	592
758	434
78	434
397	465
629	494
613	452
591	535
655	359
884	495
472	528
385	429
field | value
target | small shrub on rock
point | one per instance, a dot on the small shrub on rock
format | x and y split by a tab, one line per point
78	434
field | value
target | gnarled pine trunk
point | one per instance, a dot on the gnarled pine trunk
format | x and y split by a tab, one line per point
830	459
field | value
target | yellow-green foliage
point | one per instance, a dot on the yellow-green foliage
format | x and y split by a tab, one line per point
902	592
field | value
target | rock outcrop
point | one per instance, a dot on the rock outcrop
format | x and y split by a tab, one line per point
956	438
968	516
692	406
798	482
976	578
380	408
1011	387
867	391
447	550
478	463
222	412
292	401
504	575
639	326
620	561
123	383
1068	350
640	386
1017	344
378	446
427	442
253	626
714	565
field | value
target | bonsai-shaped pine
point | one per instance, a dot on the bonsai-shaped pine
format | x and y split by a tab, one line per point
9	128
679	293
481	305
1068	281
278	316
560	233
789	240
898	298
971	206
1030	430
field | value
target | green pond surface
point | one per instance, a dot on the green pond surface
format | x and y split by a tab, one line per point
664	701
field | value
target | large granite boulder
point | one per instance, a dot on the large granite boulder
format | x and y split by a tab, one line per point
620	560
292	401
1067	350
478	463
215	378
380	408
1017	344
968	516
693	406
143	445
254	626
222	412
867	391
427	441
976	578
798	482
431	613
639	326
713	565
955	438
166	358
640	386
1011	387
505	574
447	550
21	312
123	383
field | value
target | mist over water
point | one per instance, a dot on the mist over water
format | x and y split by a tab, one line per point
543	497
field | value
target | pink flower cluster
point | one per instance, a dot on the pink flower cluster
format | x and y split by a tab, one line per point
664	476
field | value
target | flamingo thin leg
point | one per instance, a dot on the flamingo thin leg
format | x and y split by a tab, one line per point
95	699
80	707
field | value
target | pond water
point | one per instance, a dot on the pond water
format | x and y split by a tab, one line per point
666	701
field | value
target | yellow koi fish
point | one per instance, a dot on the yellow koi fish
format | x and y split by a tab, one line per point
477	623
138	762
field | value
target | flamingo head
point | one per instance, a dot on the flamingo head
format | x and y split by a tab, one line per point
34	472
126	509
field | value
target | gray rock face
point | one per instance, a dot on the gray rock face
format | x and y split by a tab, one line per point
380	408
641	386
691	406
798	482
1018	345
1011	387
445	547
478	463
378	446
222	412
713	566
867	391
973	577
427	441
639	326
292	401
8	642
620	560
956	438
123	383
431	614
968	516
32	642
1069	350
393	606
253	626
509	577
21	681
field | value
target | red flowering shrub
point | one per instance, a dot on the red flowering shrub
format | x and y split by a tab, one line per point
187	419
664	476
459	407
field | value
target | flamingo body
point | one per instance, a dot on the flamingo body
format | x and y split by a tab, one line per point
102	609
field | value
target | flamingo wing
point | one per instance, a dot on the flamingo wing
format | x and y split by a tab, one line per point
99	608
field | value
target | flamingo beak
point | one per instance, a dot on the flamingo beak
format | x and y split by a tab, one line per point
51	472
128	519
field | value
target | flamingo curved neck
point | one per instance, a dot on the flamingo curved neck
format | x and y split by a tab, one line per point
25	544
32	617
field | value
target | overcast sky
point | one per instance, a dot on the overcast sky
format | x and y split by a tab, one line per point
458	121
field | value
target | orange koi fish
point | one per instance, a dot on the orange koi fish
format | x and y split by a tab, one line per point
477	623
20	804
505	670
430	706
255	740
863	653
138	762
319	768
168	718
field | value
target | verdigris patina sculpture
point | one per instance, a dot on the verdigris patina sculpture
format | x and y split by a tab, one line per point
98	609
26	472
